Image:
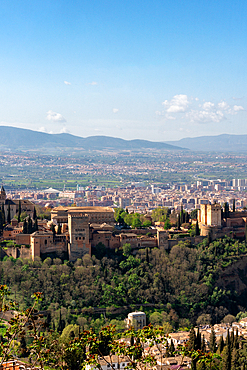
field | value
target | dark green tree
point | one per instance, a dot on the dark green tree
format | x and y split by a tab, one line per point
29	225
59	228
19	211
1	221
178	223
212	341
24	227
8	215
245	233
3	212
192	340
226	358
34	213
221	344
233	205
171	348
197	230
147	256
35	227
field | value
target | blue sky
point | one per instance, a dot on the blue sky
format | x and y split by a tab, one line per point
157	70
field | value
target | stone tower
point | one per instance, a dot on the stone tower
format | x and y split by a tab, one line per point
79	244
210	215
2	195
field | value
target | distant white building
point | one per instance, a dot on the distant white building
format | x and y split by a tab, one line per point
136	319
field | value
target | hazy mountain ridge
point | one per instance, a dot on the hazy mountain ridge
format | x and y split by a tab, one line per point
17	138
219	143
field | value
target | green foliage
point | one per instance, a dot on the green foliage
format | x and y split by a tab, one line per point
160	214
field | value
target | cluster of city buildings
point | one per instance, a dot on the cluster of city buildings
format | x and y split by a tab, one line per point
138	197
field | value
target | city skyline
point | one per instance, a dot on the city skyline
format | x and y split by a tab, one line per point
156	71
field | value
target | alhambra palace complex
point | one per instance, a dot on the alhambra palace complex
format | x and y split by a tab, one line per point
85	227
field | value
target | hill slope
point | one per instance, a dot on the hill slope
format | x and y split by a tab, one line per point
219	143
16	138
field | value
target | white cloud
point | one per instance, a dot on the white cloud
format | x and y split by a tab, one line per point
115	110
64	131
208	105
93	83
67	83
178	104
170	117
55	117
203	116
223	105
42	129
237	108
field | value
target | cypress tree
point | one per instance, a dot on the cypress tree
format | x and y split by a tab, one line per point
232	340
147	256
226	356
1	221
212	341
203	346
132	341
24	228
35	228
192	340
182	214
29	225
3	212
59	229
233	205
19	211
197	230
221	344
245	233
172	348
178	222
34	213
235	360
236	340
8	215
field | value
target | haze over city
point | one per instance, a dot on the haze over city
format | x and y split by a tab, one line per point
130	69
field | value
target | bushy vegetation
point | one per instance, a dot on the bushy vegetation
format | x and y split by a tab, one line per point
181	285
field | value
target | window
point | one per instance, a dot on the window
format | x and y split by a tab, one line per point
45	241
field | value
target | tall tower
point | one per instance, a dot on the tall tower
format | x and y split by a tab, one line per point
2	194
79	245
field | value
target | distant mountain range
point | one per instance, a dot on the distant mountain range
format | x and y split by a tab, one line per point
219	143
14	138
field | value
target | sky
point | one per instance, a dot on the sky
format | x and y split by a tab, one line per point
159	70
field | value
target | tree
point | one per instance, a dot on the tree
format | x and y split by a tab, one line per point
229	319
35	227
192	340
59	229
127	249
136	222
29	225
167	224
178	223
212	341
233	205
1	221
19	211
3	213
34	213
221	344
8	214
24	227
193	214
197	230
226	357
